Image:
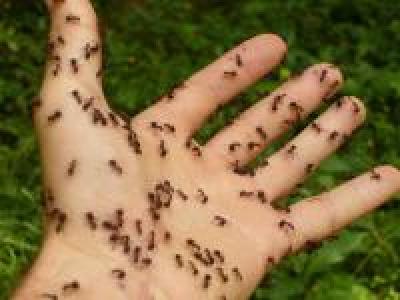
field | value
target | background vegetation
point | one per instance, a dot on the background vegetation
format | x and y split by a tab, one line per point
151	44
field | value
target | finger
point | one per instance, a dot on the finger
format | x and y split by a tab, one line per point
264	122
319	217
289	166
72	69
215	85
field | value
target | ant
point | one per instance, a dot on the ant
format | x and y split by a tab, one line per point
375	175
155	125
204	197
72	167
252	145
239	61
138	226
182	195
284	223
246	194
113	118
179	261
50	296
167	236
192	243
316	127
309	168
207	281
323	75
194	269
237	273
120	274
146	261
233	146
271	259
61	40
356	107
77	96
261	132
74	65
136	254
222	275
74	285
163	150
151	246
219	256
55	116
276	101
291	149
62	219
72	19
210	258
170	128
91	220
333	135
88	104
56	70
109	226
114	165
36	103
230	74
221	221
261	196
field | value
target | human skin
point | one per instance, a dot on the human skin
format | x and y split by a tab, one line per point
103	174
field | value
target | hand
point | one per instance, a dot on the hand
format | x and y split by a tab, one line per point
136	209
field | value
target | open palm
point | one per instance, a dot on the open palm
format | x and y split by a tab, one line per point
135	209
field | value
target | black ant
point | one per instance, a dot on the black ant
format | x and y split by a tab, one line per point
244	193
109	226
72	167
207	281
72	19
120	217
170	128
333	135
222	275
136	254
221	221
237	273
146	261
36	103
356	107
163	149
56	70
151	246
113	118
194	269
74	65
271	259
261	196
120	274
252	145
62	219
196	151
133	142
291	149
276	101
182	195
50	296
230	74
88	104
55	116
233	146
209	256
283	223
61	40
91	220
261	132
179	261
193	244
98	117
309	168
323	75
239	61
219	256
316	127
138	226
167	236
204	197
375	175
77	96
155	125
72	286
115	166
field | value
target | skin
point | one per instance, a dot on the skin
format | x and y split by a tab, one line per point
89	167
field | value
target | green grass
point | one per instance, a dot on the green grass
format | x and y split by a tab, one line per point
151	45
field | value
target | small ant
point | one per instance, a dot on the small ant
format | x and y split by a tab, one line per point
179	261
50	296
244	193
233	146
138	226
219	256
113	118
88	104
323	75
356	107
192	243
196	151
120	217
114	165
375	175
261	132
72	19
284	223
222	275
207	281
72	167
252	145
239	61
120	274
194	269
276	101
230	74
182	195
271	259
151	246
237	273
333	135
204	197
61	40
74	65
98	117
136	254
56	70
167	236
36	103
91	220
146	261
291	149
155	125
221	221
261	196
170	128
62	219
309	168
163	150
109	226
77	96
55	116
74	285
316	127
210	258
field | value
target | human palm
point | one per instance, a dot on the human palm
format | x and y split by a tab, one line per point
135	209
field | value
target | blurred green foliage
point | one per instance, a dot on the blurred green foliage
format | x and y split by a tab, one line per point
151	44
